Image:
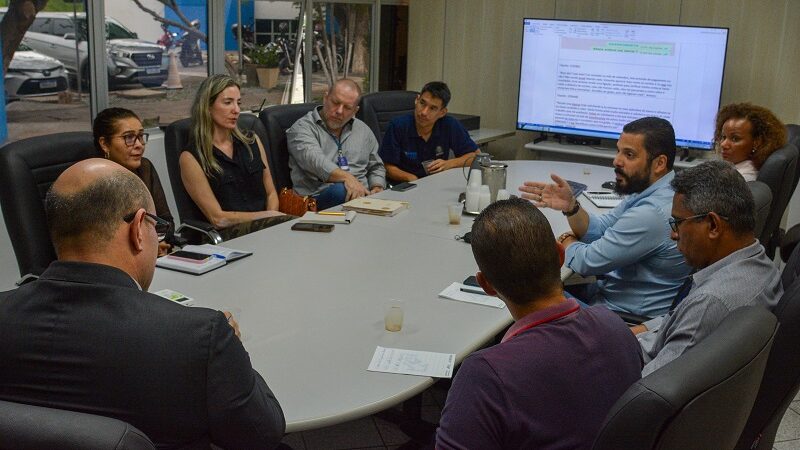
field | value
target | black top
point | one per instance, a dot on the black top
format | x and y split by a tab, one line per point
147	173
240	186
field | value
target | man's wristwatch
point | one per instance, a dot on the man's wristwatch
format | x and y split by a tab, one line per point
574	209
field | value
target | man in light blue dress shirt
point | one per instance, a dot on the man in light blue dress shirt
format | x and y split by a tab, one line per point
639	267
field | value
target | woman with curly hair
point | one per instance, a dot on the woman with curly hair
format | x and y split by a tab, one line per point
225	170
746	134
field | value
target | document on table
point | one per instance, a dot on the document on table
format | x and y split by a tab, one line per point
454	292
412	362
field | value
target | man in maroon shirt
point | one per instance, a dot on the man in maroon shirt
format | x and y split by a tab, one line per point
559	368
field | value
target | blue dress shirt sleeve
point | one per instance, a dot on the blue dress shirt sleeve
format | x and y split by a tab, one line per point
617	239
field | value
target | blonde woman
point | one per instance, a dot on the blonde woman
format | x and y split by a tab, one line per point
225	171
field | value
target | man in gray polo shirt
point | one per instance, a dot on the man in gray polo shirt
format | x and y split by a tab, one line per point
713	225
332	155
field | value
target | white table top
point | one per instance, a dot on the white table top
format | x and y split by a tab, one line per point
311	305
485	135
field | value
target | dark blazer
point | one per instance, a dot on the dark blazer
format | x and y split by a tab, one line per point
85	338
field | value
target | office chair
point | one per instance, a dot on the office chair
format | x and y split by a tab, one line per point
700	400
778	172
377	109
762	197
276	120
28	167
782	375
28	427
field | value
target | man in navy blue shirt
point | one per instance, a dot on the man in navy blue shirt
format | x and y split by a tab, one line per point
419	144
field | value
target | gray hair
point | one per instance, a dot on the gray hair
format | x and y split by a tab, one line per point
717	186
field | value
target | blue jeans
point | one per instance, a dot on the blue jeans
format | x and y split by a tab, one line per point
332	196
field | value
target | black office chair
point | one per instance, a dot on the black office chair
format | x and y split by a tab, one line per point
277	119
700	400
778	172
377	109
28	427
762	197
27	169
782	375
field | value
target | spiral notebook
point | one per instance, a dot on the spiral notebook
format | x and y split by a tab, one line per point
603	199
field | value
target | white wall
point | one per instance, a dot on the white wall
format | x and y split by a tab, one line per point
275	10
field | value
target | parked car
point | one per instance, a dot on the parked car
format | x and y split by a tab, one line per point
30	74
130	59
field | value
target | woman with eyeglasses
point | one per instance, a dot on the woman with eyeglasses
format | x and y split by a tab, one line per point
120	137
225	170
746	134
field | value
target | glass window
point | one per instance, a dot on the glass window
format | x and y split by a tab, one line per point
41	83
270	73
144	47
341	45
42	25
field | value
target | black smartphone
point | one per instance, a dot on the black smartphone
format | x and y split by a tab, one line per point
315	227
403	187
471	281
190	256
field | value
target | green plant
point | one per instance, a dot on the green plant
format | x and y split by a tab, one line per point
265	55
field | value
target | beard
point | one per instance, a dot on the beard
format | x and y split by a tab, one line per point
634	183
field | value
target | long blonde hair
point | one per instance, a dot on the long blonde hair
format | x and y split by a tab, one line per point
203	125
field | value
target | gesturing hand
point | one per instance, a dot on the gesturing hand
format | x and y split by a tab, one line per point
354	188
556	195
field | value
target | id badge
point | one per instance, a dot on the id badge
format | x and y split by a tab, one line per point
341	161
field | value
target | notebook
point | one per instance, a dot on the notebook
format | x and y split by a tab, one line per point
375	206
341	217
220	257
603	199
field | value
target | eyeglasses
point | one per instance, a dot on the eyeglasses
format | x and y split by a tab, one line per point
131	138
674	222
163	226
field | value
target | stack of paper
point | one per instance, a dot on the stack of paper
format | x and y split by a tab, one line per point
219	257
604	199
463	293
341	217
375	206
412	362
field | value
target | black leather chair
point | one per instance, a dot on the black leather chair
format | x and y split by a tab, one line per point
176	139
782	375
276	120
702	399
762	196
28	427
27	169
778	172
793	137
377	109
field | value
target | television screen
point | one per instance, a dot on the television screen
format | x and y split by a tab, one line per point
591	78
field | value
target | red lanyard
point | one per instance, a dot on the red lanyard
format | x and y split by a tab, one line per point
545	320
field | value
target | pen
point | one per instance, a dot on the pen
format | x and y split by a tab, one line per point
331	213
218	256
473	291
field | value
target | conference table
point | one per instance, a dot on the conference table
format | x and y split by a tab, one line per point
311	306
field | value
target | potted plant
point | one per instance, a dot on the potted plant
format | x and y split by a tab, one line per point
266	59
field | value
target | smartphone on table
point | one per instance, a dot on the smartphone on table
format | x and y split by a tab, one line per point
315	227
193	257
402	187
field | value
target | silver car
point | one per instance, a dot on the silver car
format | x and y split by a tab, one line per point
129	59
30	74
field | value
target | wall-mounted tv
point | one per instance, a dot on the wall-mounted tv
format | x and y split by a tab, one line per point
591	78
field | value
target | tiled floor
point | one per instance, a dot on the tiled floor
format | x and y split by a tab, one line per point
376	433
